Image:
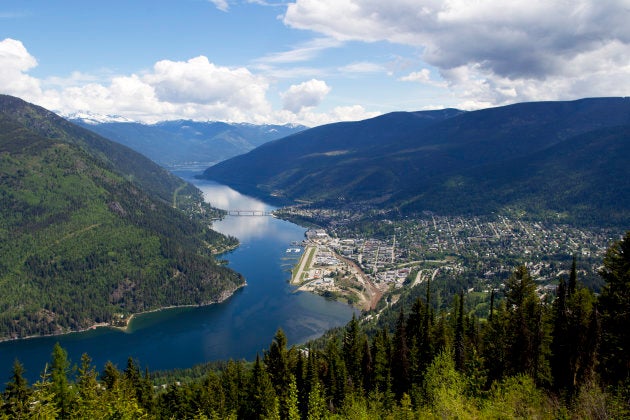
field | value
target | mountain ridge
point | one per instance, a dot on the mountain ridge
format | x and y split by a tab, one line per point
393	164
186	143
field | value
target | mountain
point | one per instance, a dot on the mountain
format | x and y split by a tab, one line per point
91	118
175	144
89	232
565	159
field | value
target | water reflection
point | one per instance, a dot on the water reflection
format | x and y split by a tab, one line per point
245	228
226	198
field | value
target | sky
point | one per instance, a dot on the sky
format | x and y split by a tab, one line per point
310	62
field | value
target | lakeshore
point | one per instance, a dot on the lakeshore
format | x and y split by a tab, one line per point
122	323
237	328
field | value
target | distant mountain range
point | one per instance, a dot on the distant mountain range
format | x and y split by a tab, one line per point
91	230
566	160
183	143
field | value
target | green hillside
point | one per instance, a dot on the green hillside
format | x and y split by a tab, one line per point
540	158
86	234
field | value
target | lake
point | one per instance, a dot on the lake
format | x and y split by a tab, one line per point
238	328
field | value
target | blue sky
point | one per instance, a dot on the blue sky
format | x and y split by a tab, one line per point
308	61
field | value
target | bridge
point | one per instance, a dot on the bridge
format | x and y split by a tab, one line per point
249	213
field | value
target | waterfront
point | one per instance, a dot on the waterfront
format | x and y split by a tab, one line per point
238	328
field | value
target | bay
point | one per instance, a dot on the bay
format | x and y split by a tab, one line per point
238	328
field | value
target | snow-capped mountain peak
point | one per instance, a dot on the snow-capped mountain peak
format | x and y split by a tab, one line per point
93	118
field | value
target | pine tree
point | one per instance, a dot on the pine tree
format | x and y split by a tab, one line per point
528	333
495	344
560	342
582	339
415	335
87	405
110	376
212	396
352	352
41	401
234	385
316	403
572	278
261	401
335	377
277	363
138	385
59	368
400	358
381	349
459	335
16	394
293	409
614	306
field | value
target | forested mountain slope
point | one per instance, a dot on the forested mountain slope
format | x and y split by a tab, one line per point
539	158
88	230
181	143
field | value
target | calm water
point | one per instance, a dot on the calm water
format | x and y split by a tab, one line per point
238	328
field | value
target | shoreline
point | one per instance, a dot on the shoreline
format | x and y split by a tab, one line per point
124	328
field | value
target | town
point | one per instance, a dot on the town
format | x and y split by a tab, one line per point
361	261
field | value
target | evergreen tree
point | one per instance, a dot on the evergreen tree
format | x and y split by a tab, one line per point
212	400
614	306
16	393
276	360
353	351
367	366
87	404
293	409
560	342
459	335
415	336
427	347
59	369
335	377
316	403
492	295
495	344
583	341
140	386
302	383
234	385
381	352
260	401
572	278
528	334
41	401
400	358
110	376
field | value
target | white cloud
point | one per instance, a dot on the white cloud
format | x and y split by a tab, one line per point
509	51
194	89
201	82
221	5
303	52
15	62
423	76
305	95
311	119
362	67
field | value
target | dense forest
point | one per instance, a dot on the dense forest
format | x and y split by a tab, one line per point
85	238
561	356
